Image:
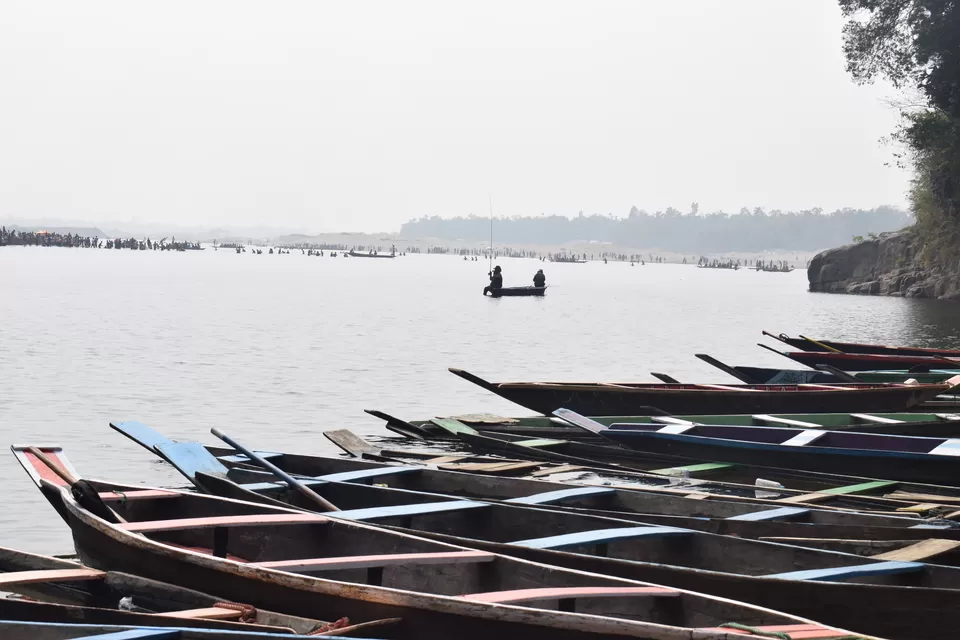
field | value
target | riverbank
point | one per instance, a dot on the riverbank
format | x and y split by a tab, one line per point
888	265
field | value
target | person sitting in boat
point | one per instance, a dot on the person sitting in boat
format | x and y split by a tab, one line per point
539	280
496	280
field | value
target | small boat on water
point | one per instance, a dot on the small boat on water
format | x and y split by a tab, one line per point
602	398
24	630
870	362
513	292
928	460
356	254
821	346
314	564
769	375
56	590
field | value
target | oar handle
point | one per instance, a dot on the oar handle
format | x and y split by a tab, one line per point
277	471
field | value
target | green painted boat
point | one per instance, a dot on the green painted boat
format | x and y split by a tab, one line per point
945	425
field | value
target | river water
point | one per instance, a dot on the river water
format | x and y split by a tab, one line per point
275	349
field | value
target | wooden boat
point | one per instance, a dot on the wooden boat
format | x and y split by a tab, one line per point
817	345
56	590
513	292
275	557
868	361
354	254
348	490
23	630
932	460
599	398
745	568
769	375
905	424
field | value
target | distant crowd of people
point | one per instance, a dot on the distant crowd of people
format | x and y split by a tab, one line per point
49	239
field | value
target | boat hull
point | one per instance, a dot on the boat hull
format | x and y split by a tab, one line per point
515	292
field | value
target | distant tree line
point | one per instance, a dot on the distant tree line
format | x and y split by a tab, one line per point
671	230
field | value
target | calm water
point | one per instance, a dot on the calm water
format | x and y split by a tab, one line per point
276	349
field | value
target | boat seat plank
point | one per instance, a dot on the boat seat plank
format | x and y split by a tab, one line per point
722	387
950	447
191	457
539	442
550	497
242	459
866	417
859	488
676	428
599	536
137	634
207	613
453	426
691	469
367	474
383	560
855	571
782	513
140	494
920	551
671	420
823	387
793	631
786	422
492	468
523	595
373	513
803	438
563	468
152	526
49	575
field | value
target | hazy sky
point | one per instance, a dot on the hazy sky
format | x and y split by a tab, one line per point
349	115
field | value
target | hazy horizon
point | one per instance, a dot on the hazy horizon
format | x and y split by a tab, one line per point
362	116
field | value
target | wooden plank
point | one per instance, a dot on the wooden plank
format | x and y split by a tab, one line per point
782	513
148	526
600	536
691	469
445	459
922	507
563	468
722	387
949	447
671	420
140	433
351	443
676	428
921	551
492	468
792	631
551	497
49	575
207	613
453	426
383	560
191	457
141	494
136	634
855	571
866	417
824	387
863	487
402	510
538	442
525	595
925	497
242	459
367	474
785	422
804	438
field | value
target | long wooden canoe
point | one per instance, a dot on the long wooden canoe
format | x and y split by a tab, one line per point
932	460
515	292
600	398
824	346
24	630
749	569
307	563
59	590
769	375
869	362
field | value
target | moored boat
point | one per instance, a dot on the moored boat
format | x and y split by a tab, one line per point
910	458
514	292
600	398
313	563
818	345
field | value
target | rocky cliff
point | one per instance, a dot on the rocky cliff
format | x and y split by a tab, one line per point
887	266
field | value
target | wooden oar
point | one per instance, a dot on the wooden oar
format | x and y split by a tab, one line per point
820	344
840	373
742	377
309	493
662	377
85	495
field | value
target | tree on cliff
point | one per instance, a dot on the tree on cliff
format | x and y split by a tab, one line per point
915	44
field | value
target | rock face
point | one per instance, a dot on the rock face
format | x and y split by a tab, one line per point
886	266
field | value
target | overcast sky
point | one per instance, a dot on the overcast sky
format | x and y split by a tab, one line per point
349	115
